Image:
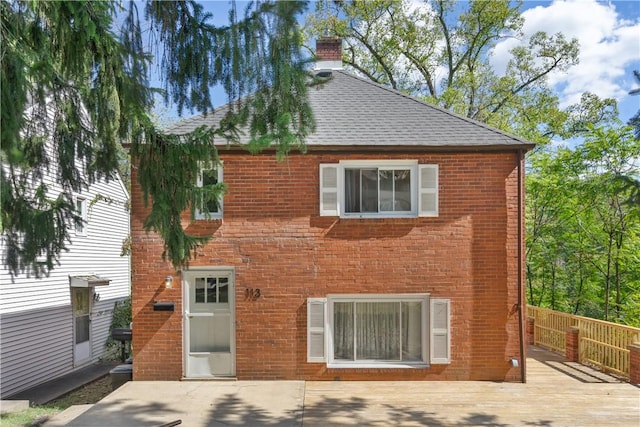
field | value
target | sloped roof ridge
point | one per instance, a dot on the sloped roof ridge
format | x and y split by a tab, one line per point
435	107
195	118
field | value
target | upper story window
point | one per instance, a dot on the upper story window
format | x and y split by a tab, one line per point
209	207
378	189
81	210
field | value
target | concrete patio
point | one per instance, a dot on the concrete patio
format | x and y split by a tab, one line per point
558	393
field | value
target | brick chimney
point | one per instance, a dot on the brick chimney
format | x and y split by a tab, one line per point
329	53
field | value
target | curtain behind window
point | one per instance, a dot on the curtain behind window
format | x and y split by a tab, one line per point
343	331
377	331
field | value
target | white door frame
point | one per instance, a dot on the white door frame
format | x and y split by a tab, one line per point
82	351
188	276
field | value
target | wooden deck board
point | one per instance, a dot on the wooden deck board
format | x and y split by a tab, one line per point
557	393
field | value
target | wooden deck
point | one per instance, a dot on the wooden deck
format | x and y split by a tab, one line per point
557	393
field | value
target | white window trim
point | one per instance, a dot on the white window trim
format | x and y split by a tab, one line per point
384	165
211	215
425	341
417	192
84	215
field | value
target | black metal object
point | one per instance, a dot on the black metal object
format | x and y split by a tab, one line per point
123	335
164	306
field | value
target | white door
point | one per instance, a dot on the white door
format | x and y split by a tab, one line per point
81	306
209	324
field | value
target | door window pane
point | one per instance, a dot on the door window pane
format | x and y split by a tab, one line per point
211	289
80	301
210	334
223	290
82	329
199	290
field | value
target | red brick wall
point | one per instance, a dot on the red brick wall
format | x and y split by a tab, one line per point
634	364
572	344
329	48
272	234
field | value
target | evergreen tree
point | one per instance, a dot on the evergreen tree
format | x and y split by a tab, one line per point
75	87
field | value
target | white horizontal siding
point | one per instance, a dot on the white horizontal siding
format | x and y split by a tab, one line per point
33	352
36	322
96	253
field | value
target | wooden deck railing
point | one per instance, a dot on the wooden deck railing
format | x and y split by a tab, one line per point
550	327
603	344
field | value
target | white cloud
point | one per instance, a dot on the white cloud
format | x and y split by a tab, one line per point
609	45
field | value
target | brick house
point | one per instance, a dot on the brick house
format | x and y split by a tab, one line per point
391	250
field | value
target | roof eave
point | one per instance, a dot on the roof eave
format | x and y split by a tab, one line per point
396	148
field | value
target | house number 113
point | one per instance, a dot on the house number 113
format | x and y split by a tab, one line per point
252	293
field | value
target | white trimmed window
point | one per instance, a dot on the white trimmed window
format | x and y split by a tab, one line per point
378	189
361	331
209	208
81	210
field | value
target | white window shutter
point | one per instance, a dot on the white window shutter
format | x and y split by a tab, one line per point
329	190
316	314
428	191
440	342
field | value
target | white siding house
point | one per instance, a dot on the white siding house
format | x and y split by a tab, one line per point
56	324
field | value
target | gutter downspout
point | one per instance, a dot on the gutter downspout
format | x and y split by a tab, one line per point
521	219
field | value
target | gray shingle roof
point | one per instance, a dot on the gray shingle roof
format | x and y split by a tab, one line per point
353	112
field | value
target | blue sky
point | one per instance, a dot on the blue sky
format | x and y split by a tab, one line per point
609	36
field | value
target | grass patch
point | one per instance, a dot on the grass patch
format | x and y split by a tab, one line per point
29	417
37	415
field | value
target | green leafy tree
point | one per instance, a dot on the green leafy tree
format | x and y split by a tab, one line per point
441	50
631	182
583	238
635	120
607	154
75	86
